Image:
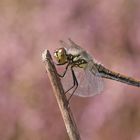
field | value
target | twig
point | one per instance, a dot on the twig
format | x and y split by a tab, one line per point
60	97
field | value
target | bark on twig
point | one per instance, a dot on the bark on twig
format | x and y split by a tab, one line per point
60	97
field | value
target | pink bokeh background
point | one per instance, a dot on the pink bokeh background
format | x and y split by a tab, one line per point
109	30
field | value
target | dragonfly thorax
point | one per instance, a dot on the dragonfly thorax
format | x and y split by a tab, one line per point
76	61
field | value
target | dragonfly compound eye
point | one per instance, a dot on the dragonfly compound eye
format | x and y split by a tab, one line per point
60	55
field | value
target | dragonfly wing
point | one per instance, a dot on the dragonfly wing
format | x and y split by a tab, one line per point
72	48
88	83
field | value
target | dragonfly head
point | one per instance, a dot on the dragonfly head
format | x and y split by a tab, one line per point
60	55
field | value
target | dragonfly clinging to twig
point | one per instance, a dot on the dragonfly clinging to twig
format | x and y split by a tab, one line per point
87	73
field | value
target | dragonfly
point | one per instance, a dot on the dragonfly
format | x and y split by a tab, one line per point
86	73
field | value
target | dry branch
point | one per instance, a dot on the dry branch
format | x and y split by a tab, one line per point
60	97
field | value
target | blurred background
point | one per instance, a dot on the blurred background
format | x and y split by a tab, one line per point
109	30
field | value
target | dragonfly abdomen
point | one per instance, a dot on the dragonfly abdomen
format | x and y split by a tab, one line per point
106	73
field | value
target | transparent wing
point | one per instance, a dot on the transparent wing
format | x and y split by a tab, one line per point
71	47
89	84
89	80
74	49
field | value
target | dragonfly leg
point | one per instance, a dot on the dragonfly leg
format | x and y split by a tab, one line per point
62	75
75	84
